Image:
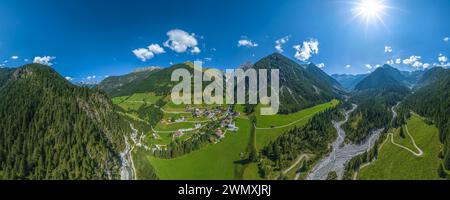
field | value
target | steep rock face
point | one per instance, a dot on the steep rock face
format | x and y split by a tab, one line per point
51	129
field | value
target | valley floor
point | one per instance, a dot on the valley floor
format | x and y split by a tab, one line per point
221	161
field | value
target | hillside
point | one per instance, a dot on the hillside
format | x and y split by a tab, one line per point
157	82
433	101
396	161
376	95
51	129
5	74
431	76
299	88
382	78
113	84
318	73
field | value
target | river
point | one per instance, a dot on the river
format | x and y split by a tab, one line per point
126	171
340	154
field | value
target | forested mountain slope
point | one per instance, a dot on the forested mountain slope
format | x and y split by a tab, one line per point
299	88
375	95
113	84
433	101
51	129
157	82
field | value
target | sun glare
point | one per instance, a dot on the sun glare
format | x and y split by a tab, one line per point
370	10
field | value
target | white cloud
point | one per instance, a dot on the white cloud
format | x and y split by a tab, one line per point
247	43
68	78
390	62
398	61
148	53
279	43
195	50
446	39
387	49
348	66
91	77
208	59
411	60
309	48
14	57
321	65
442	58
180	41
156	49
26	60
417	64
45	60
369	66
143	54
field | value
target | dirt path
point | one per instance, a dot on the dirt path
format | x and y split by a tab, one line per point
419	152
303	156
390	137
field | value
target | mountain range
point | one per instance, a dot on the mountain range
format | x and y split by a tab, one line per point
53	129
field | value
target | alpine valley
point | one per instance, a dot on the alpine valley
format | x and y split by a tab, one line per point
387	124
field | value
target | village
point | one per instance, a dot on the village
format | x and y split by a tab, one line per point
217	122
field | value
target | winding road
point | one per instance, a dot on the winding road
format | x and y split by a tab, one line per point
336	160
390	137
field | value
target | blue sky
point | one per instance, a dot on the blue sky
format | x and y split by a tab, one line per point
84	38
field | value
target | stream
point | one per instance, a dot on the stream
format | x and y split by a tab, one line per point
126	171
340	154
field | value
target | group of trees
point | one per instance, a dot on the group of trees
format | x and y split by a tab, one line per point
356	162
433	101
51	129
314	138
373	112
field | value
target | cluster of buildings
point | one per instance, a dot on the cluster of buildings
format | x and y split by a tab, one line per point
223	116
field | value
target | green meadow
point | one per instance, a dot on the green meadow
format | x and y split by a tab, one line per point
395	163
214	162
269	128
135	101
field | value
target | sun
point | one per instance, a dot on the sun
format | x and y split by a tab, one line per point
370	10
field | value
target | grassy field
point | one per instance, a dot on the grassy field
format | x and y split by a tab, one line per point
214	162
149	98
174	126
135	101
265	136
268	121
252	172
395	163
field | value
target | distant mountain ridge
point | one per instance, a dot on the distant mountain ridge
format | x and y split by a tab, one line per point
349	81
382	77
